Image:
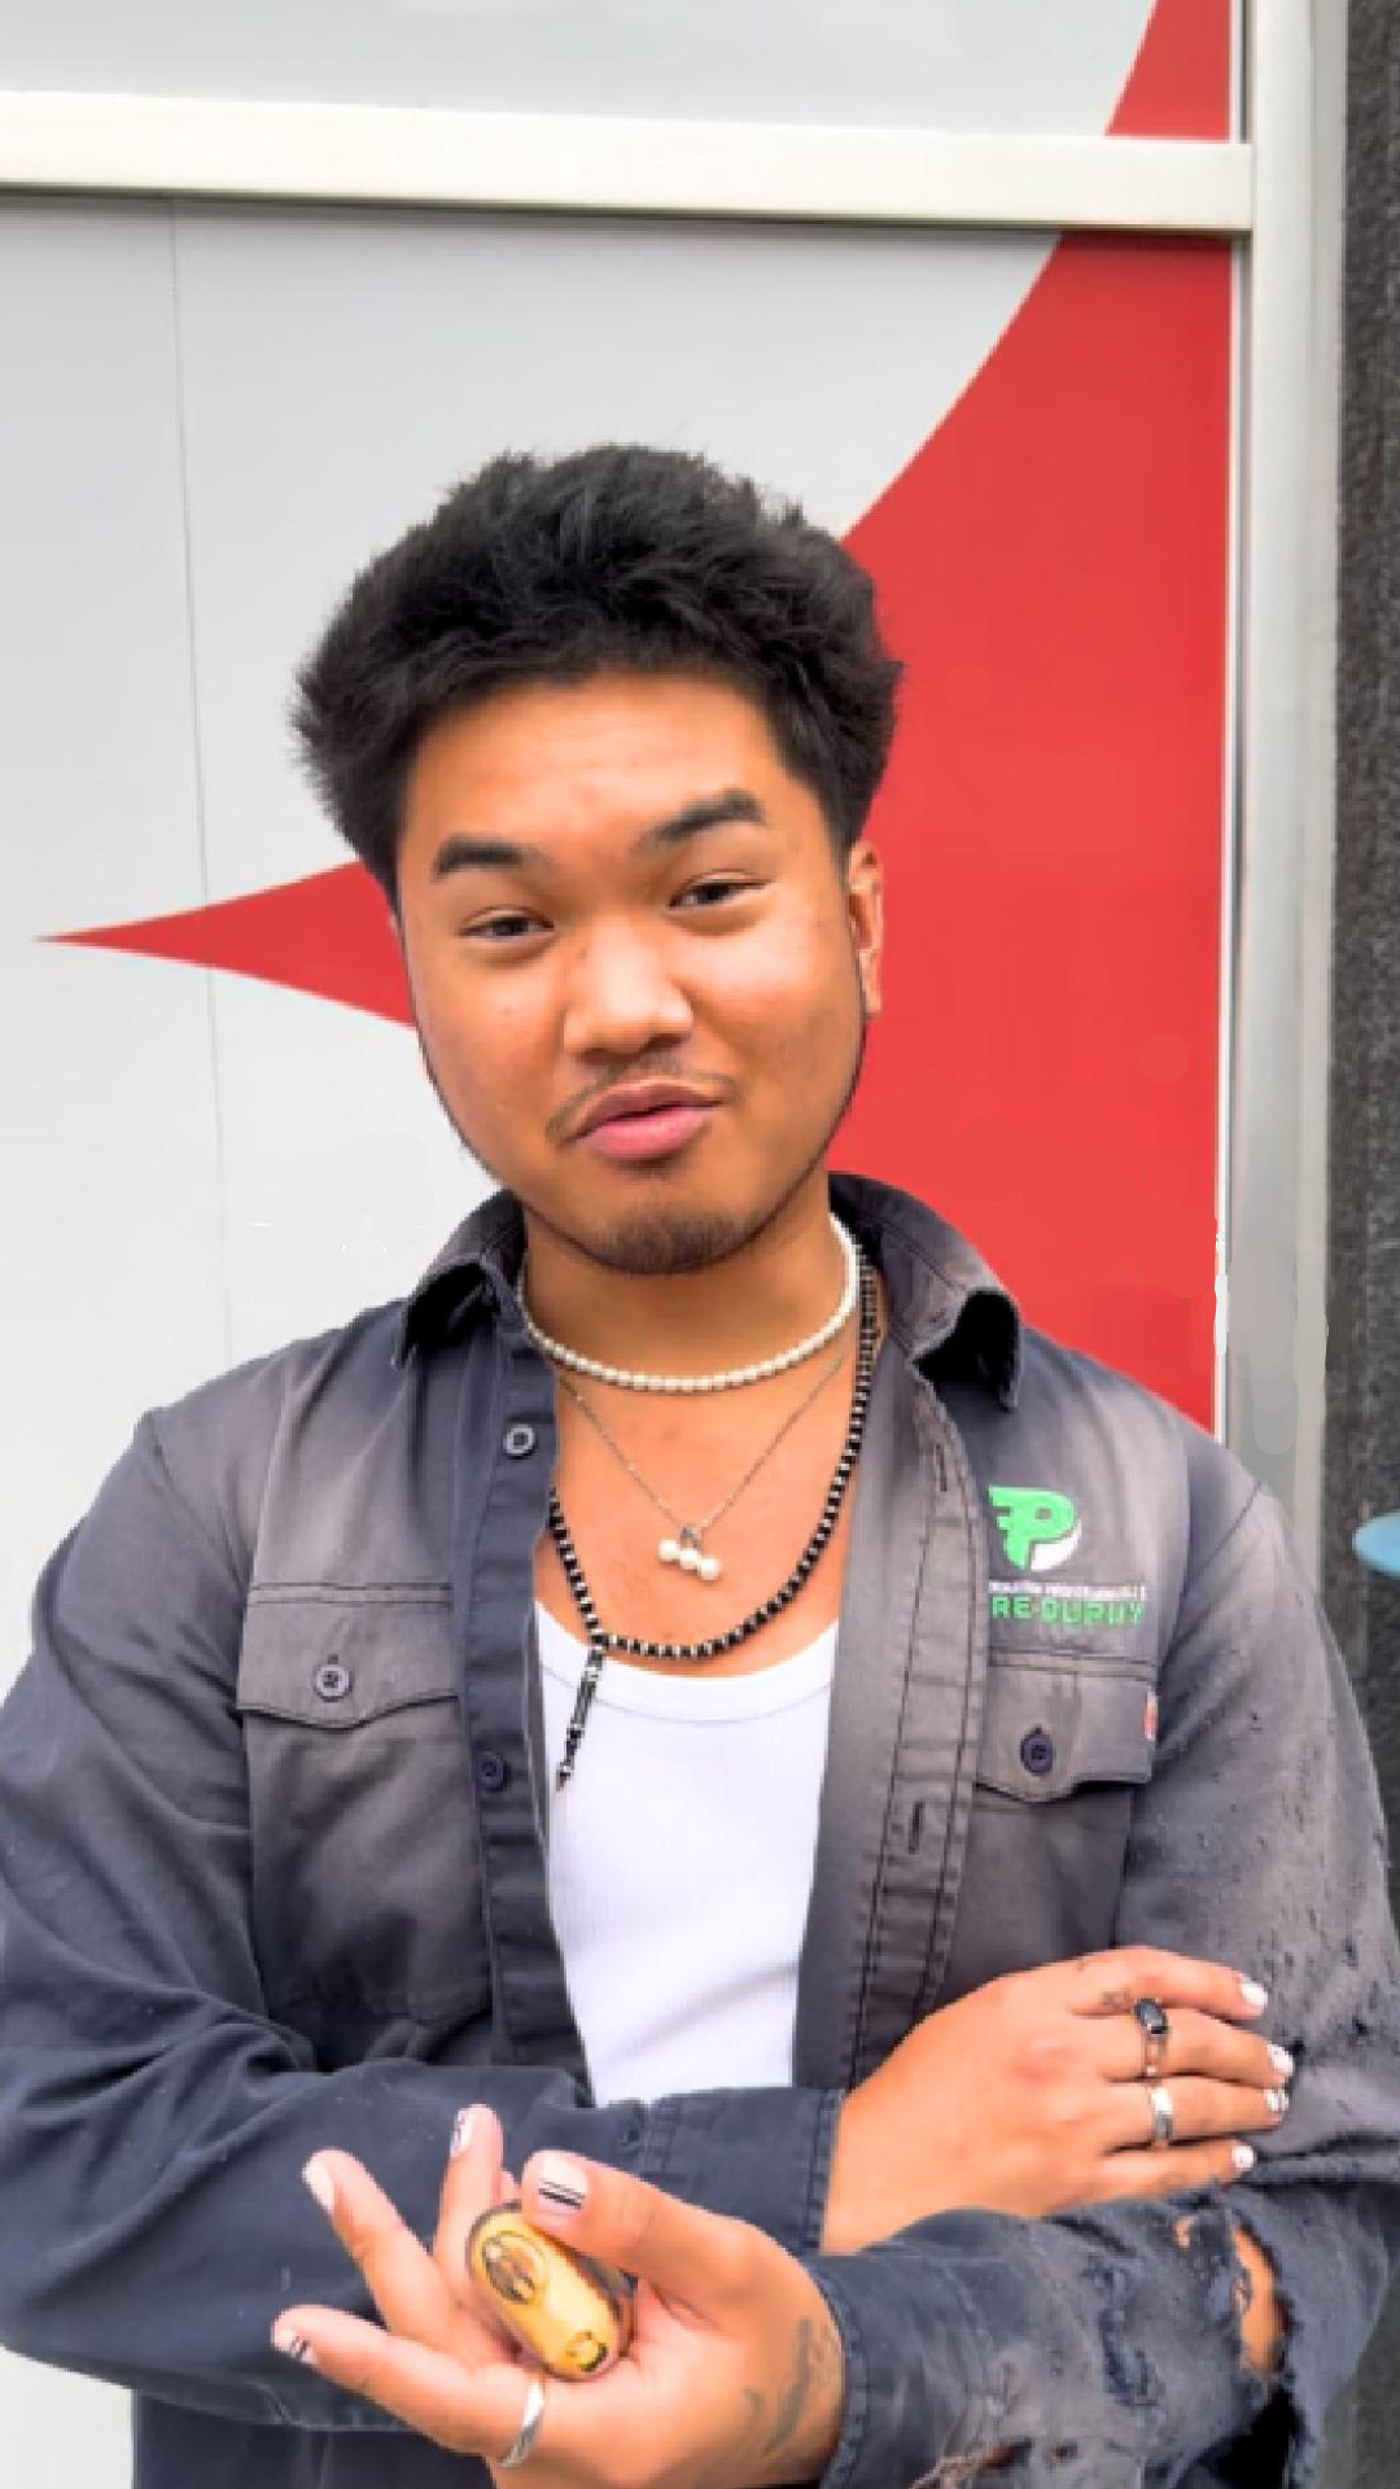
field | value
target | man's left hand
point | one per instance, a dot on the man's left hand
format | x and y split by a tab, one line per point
733	2378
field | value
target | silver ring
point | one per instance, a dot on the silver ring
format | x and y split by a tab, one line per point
528	2430
1159	2100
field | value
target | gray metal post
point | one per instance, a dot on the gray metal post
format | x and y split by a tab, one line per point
1362	1441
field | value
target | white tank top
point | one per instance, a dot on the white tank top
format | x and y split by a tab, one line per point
680	1864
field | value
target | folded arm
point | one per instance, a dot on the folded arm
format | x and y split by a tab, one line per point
1094	2345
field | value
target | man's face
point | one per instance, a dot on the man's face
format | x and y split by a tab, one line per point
615	895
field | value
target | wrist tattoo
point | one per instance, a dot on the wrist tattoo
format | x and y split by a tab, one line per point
805	2404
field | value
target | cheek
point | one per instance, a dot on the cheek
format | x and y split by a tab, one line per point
804	1005
482	1047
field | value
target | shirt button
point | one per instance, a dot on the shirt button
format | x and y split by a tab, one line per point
332	1681
1038	1753
519	1442
493	1771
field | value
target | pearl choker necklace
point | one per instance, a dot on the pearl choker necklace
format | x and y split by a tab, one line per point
623	1380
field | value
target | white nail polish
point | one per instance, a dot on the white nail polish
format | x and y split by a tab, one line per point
560	2183
1280	2060
319	2182
1244	2157
1276	2102
1254	1995
461	2133
292	2345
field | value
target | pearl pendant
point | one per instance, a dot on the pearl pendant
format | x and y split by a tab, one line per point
687	1552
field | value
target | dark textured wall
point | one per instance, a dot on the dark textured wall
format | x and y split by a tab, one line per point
1362	1443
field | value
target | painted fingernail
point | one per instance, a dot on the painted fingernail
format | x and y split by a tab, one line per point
462	2126
1280	2060
1276	2102
292	2345
1244	2157
317	2178
560	2183
1254	1996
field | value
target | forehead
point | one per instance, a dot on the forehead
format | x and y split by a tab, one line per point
615	752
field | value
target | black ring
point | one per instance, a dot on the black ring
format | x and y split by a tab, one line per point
1152	2022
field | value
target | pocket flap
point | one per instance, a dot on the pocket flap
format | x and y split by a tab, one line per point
1048	1728
333	1661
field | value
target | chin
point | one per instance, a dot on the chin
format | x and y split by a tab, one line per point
663	1244
652	1240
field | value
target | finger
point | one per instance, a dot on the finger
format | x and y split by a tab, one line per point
695	2259
1200	2109
1196	2043
402	2278
473	2184
1184	2170
1112	1983
469	2411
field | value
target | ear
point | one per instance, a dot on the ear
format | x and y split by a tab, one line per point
865	907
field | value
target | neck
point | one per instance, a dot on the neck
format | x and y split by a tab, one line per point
757	1301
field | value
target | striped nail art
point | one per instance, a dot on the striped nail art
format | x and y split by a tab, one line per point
561	2184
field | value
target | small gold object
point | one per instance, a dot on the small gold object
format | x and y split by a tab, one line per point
570	2313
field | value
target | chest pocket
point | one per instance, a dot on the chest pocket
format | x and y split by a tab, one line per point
1065	1744
366	1879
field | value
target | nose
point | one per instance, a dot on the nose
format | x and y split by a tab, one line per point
622	994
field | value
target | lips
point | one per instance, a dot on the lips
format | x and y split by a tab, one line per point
643	1099
645	1123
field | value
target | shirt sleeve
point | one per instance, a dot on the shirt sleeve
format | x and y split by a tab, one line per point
1104	2347
153	2117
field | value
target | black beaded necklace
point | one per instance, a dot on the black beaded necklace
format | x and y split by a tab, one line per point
634	1645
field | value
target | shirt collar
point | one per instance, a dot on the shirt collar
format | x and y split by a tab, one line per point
947	1309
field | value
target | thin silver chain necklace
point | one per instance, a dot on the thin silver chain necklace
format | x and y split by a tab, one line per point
635	1646
687	1548
733	1379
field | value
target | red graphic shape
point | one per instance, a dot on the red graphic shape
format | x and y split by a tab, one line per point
1052	566
327	935
1180	85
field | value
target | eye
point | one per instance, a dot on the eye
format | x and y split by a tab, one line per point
511	925
714	892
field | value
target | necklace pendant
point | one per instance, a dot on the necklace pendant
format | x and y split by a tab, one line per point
688	1552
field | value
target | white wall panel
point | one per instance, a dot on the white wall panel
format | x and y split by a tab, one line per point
342	1174
111	1292
996	65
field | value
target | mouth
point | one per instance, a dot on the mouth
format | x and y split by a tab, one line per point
645	1123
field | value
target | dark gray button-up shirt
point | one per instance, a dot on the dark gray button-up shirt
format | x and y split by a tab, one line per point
273	1876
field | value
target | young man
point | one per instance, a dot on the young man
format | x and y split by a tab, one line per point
574	1691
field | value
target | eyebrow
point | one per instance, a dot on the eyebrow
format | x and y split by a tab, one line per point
462	853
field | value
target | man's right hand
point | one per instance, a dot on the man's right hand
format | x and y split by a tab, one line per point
1028	2097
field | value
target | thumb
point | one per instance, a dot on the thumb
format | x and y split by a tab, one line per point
698	2258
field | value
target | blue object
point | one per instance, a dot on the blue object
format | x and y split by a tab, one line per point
1378	1544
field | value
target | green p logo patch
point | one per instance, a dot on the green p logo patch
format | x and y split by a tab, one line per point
1040	1529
